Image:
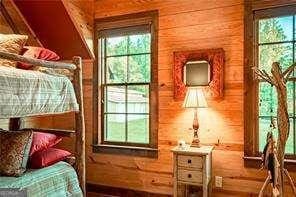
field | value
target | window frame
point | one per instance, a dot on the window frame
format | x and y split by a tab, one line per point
252	156
120	25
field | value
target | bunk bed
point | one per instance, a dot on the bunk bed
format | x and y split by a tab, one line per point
25	103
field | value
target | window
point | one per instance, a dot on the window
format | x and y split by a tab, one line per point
269	37
127	72
276	42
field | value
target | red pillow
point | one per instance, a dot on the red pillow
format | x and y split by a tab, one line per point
47	157
42	141
36	52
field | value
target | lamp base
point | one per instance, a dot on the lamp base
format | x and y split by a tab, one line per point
195	142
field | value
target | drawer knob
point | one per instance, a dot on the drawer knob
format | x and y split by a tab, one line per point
189	161
189	176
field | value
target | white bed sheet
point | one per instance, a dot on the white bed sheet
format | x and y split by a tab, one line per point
28	93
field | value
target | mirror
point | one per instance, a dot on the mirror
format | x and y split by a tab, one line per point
197	73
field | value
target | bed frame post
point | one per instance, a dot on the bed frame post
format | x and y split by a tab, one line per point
80	125
14	124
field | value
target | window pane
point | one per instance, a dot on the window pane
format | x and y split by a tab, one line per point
138	128
116	69
115	127
267	100
139	68
282	53
264	128
290	97
272	31
290	142
115	96
139	44
117	46
138	99
276	29
294	72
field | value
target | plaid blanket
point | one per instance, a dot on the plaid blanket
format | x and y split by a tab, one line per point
59	179
27	93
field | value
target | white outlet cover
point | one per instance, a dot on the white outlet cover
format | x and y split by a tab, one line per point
218	181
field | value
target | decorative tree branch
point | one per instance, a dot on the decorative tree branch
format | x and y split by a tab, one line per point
279	80
269	77
286	74
262	76
291	181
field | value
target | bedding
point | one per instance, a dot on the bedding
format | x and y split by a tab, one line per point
28	93
47	157
38	53
59	179
42	141
12	43
14	152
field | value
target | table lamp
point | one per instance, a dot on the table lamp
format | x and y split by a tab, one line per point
195	99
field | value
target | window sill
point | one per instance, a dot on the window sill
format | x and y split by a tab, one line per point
255	162
126	150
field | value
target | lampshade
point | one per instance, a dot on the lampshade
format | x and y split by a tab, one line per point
195	98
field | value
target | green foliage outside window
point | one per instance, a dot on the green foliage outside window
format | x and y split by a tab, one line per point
128	65
275	43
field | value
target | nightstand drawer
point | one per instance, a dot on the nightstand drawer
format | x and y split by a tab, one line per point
190	161
190	176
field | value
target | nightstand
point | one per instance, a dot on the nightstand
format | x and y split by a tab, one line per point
192	167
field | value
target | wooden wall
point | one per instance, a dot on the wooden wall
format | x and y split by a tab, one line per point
183	25
186	25
4	26
82	12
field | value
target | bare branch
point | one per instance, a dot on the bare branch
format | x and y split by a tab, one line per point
288	71
261	75
268	76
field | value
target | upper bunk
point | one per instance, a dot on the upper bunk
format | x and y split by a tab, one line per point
29	93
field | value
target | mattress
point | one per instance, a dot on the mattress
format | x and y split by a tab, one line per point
59	179
28	93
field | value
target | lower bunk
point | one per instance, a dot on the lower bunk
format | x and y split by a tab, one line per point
59	179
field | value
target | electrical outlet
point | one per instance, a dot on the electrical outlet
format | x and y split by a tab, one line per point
218	181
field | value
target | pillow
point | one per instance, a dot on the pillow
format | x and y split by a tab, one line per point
47	157
42	141
14	152
12	43
38	53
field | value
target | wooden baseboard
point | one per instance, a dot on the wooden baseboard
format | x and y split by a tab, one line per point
217	192
121	192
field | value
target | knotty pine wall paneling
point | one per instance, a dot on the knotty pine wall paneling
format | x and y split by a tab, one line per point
4	26
82	13
187	25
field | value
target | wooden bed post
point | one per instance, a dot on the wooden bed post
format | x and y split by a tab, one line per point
79	124
14	124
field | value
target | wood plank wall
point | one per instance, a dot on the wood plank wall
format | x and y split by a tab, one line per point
4	26
82	12
183	25
186	25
